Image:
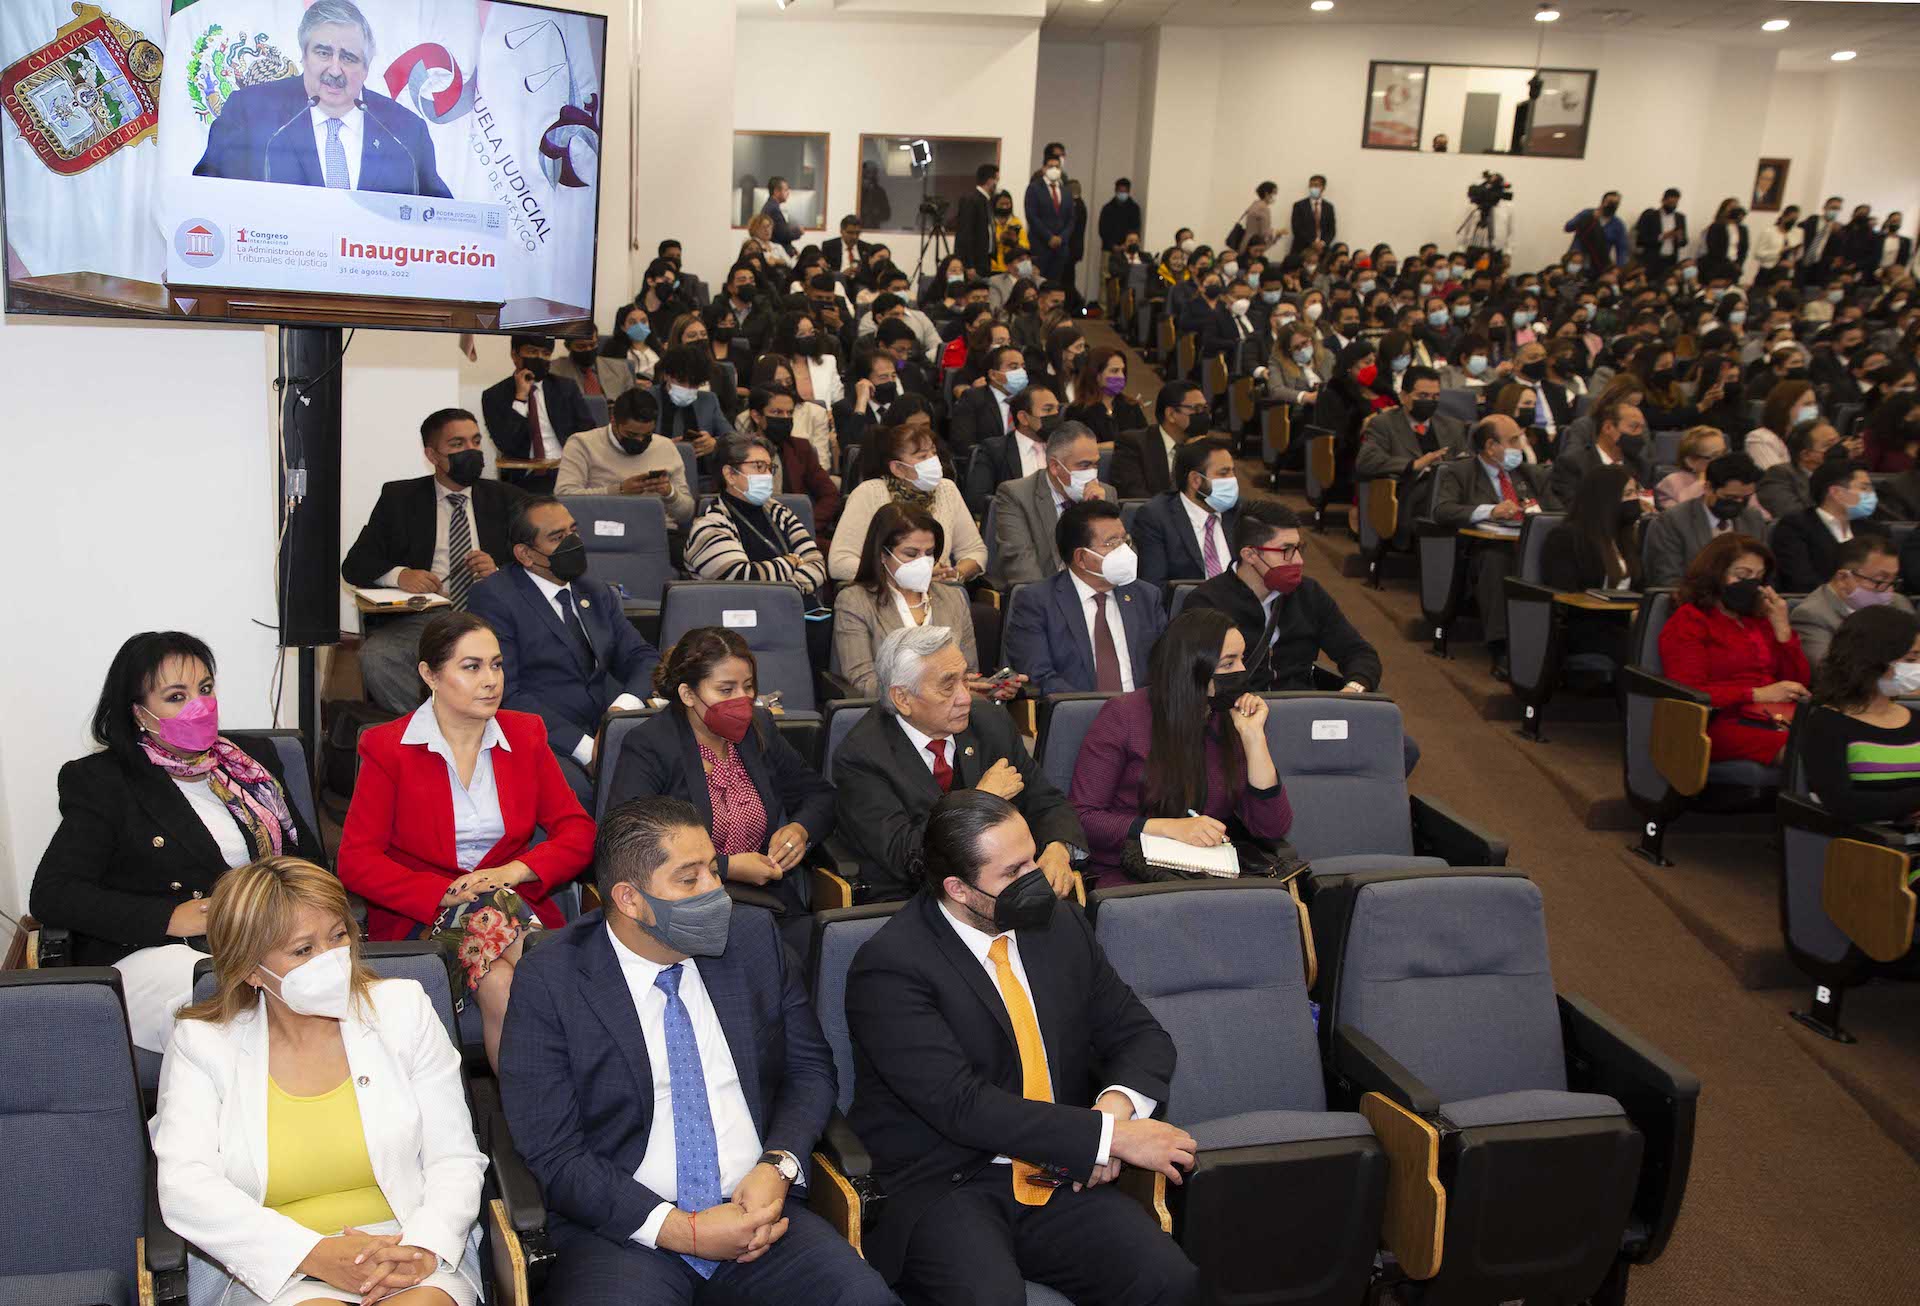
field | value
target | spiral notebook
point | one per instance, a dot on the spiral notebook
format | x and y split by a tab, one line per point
1222	862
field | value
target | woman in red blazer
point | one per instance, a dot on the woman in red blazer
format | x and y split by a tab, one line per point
443	813
1729	638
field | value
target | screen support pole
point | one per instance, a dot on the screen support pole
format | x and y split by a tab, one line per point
308	567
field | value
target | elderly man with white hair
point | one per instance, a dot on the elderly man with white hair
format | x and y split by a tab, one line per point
324	127
927	737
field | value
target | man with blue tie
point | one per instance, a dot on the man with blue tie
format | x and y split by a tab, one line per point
324	127
665	1078
571	654
1089	626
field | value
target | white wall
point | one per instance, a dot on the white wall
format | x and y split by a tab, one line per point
945	77
1798	126
1873	153
142	463
1088	100
683	159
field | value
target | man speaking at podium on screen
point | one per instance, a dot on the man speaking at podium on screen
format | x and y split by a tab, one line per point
324	128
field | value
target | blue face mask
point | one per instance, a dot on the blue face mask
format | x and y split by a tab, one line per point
1512	459
1366	286
1303	356
681	397
1016	380
1476	365
1463	311
1690	272
1270	296
638	332
1521	317
1225	493
1737	317
1869	500
1426	288
759	488
1403	362
1437	318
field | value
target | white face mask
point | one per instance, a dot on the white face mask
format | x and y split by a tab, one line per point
1902	680
1053	173
320	987
1189	244
1237	307
1121	567
1313	312
914	576
926	475
1078	481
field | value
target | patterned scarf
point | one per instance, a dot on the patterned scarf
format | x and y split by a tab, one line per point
907	496
248	790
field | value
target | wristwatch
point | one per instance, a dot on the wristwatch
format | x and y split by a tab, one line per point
785	1163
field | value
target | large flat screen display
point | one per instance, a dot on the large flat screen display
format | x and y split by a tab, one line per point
431	164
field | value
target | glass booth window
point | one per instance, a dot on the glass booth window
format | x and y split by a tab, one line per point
798	157
894	185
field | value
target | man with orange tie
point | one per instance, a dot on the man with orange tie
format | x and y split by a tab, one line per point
1003	1075
928	736
1496	486
533	412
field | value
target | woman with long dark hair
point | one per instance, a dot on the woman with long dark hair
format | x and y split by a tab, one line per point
1182	755
1101	402
1595	548
1861	746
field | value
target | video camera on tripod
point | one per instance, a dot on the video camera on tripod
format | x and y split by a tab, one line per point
1489	191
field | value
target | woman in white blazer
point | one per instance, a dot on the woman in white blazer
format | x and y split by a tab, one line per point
262	1087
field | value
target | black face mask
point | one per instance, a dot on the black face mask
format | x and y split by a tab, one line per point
1227	688
1633	445
1025	904
1423	409
1796	374
1661	376
1535	371
634	445
464	468
1628	512
1198	424
1728	509
1742	597
568	563
886	392
537	368
814	346
1048	425
1003	214
779	428
1608	210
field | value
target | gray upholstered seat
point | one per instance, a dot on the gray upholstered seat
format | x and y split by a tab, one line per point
80	1288
770	616
1355	863
626	539
1529	1106
1064	722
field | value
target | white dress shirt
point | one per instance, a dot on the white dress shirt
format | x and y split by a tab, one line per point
353	130
549	444
920	743
477	822
1199	516
442	563
978	941
1114	624
1839	527
1890	251
1172	446
1482	511
906	612
213	814
1001	398
736	1141
582	751
1033	454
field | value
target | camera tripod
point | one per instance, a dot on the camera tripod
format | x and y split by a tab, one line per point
933	234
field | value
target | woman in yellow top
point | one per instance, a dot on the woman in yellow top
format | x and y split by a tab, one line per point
1009	237
312	1136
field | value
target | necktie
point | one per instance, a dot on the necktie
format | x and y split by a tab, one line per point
1056	197
536	447
942	773
1034	1084
571	620
459	545
336	159
1106	658
696	1152
1506	488
1210	548
589	378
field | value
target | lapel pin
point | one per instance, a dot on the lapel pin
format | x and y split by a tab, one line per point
967	751
586	603
363	1081
158	842
1126	598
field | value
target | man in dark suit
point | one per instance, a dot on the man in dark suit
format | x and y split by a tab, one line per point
1674	537
784	233
1619	436
1050	219
532	413
1660	234
1019	453
1003	1072
1312	218
1806	546
1495	485
1824	242
1287	618
439	534
1143	460
1090	625
324	127
984	410
1408	443
973	239
571	654
926	737
669	983
1119	217
846	253
1185	533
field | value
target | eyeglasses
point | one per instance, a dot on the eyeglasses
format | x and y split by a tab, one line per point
1287	552
1874	583
1126	540
758	467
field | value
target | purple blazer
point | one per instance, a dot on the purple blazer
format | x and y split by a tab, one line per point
1109	785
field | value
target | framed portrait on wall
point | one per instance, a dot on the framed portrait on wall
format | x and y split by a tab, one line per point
1769	184
1396	103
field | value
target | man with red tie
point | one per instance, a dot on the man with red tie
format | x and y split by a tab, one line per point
927	737
1312	219
1050	219
1497	486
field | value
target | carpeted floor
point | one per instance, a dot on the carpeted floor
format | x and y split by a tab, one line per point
1803	1189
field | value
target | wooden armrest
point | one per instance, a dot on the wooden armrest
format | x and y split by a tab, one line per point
1320	450
509	1261
1149	1188
1383	506
1022	711
830	890
1864	889
1080	889
1306	933
1680	747
831	1197
1414	1223
142	1273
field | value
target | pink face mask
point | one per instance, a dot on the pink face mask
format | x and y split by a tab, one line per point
192	730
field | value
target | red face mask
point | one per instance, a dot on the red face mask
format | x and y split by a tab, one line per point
1365	375
730	718
1285	578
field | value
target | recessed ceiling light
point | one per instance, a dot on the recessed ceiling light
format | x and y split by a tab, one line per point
1775	25
1321	6
1546	14
1843	56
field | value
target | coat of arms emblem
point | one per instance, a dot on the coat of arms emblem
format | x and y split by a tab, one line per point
85	95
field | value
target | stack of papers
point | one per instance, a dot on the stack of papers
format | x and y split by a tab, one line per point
397	598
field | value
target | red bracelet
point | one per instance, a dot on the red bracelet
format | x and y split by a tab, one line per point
693	1235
